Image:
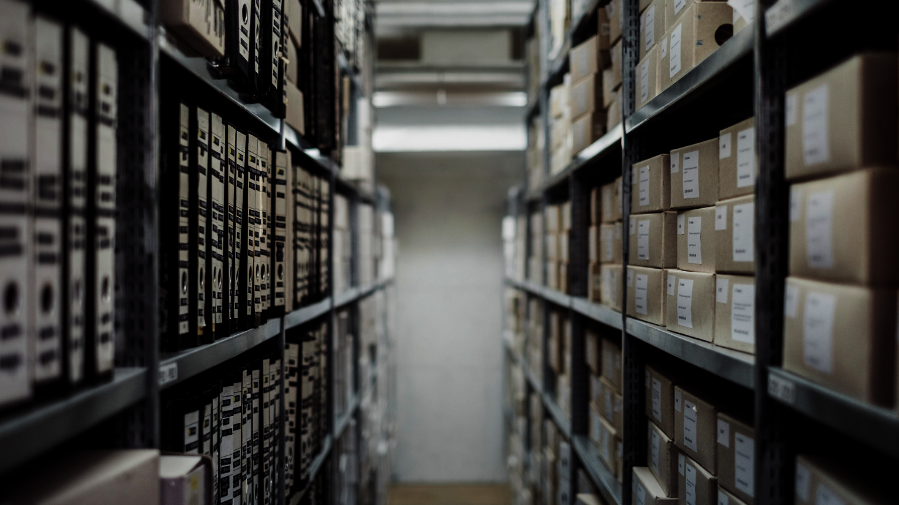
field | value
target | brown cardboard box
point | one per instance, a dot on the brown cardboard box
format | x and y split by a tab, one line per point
677	9
662	460
844	228
588	59
596	205
611	363
735	312
615	15
824	482
603	30
595	425
615	56
724	497
608	445
843	337
610	287
660	400
610	250
647	490
844	119
696	484
646	301
735	235
652	26
611	202
294	19
651	185
593	244
586	130
692	39
196	24
613	113
584	95
594	282
691	304
295	115
696	428
552	275
647	74
653	240
610	407
592	350
737	160
694	175
696	238
736	457
608	91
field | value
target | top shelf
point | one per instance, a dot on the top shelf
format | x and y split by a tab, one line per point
127	12
786	12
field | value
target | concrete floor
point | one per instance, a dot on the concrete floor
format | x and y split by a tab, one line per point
448	494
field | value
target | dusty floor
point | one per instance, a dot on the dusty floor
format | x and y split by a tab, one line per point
448	494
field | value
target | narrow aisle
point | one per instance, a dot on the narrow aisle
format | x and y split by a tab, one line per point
448	494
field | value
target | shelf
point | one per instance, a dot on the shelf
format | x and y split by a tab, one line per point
597	470
556	65
559	417
127	12
314	468
356	293
874	426
344	420
591	153
601	313
690	85
175	368
532	108
306	314
786	12
520	362
345	66
30	433
578	22
542	291
737	367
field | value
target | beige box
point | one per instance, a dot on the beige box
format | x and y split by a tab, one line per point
587	59
593	244
563	277
724	497
594	283
295	115
613	113
584	95
700	487
696	237
611	363
735	235
608	445
611	201
552	247
677	9
646	299
696	428
736	457
694	175
591	342
610	250
662	460
615	15
610	407
691	304
691	39
595	425
565	210
610	286
615	56
836	121
647	75
200	24
735	312
553	218
563	246
608	91
843	337
651	185
838	483
586	130
660	400
653	240
844	228
737	160
647	490
652	26
552	275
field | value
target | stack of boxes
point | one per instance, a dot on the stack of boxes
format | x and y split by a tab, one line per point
557	466
559	19
535	337
343	245
604	359
559	356
536	141
558	230
604	244
535	259
560	147
612	23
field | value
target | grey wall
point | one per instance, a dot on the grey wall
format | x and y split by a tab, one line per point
448	211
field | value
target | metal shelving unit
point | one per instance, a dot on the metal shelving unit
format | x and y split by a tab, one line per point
316	465
596	469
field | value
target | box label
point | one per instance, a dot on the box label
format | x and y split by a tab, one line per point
724	433
721	290
694	240
721	218
672	280
815	141
685	302
781	389
680	463
744	232
691	175
795	204
746	158
690	426
724	146
791	106
691	485
649	28
644	81
742	313
803	481
819	230
643	240
681	221
674	53
791	301
817	335
679	6
744	464
656	442
644	186
640	295
677	400
656	399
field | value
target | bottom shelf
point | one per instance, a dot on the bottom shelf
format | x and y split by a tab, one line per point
600	474
314	468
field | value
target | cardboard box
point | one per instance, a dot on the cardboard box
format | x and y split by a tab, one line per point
613	113
185	479
552	247
587	499
651	185
615	56
610	250
836	121
697	485
294	18
735	312
615	15
608	90
653	240
694	175
843	337
586	130
553	218
677	9
844	228
726	498
737	160
564	253
584	95
736	457
662	460
295	115
691	304
696	239
696	428
591	340
558	97
735	235
552	275
200	24
603	30
646	301
610	407
565	210
692	39
610	287
563	277
588	59
652	26
611	363
647	490
829	482
611	202
596	205
594	283
593	244
660	399
647	73
608	445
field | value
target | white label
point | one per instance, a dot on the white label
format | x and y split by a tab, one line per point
644	186
678	6
721	290
815	141
742	313
744	464
641	494
791	301
690	426
743	8
685	303
782	389
691	175
675	163
680	463
640	294
792	103
681	221
168	373
677	400
632	226
694	240
818	229
803	481
672	281
721	218
656	445
691	485
663	47
724	433
644	81
724	146
744	232
650	28
722	498
746	158
817	335
674	55
795	204
824	496
643	240
656	399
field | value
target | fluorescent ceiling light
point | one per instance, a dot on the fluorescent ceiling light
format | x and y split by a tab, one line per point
448	138
382	99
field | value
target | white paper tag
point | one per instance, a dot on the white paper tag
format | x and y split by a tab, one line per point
644	81
744	464
677	400
795	204
724	146
685	302
640	295
680	463
791	105
663	47
672	281
803	481
721	290
819	229
744	232
678	6
791	301
691	175
723	433
817	334
742	313
690	426
656	399
674	53
643	240
694	240
650	30
168	373
746	158
815	138
721	218
690	492
681	224
656	445
644	186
